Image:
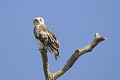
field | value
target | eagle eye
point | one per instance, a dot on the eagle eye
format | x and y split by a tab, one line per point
40	19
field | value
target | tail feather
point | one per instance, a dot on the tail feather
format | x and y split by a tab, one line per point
55	52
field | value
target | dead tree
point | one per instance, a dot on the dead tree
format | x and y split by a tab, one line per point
53	76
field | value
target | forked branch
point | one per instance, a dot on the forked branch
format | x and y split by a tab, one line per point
71	60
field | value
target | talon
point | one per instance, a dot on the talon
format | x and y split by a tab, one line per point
38	49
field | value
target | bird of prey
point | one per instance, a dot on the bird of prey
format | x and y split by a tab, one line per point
45	38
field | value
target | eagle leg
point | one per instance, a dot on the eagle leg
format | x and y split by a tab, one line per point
42	49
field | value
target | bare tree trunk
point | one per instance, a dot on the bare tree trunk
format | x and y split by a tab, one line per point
71	60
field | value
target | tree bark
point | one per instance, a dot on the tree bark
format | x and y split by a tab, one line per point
71	60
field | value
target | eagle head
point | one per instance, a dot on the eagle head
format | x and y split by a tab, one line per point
38	21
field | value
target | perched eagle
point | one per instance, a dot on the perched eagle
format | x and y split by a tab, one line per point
45	38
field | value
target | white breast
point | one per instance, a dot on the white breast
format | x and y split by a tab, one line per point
41	45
